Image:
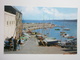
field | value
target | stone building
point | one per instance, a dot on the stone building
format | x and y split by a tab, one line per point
12	22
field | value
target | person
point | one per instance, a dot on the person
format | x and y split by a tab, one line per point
42	42
18	44
6	44
10	43
15	44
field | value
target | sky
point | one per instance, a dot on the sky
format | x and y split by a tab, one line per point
47	13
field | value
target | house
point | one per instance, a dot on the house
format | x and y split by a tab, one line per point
12	22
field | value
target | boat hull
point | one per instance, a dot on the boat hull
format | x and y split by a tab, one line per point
52	43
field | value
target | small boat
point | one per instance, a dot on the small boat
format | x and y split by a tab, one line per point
40	37
34	33
67	29
70	37
62	26
62	32
57	29
71	43
65	35
50	41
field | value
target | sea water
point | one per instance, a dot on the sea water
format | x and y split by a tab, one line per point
51	32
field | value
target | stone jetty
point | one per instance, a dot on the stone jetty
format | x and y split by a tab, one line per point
34	26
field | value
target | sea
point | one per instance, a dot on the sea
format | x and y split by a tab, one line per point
52	32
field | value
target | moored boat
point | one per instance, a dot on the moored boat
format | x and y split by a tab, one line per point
57	29
62	32
70	37
50	41
66	29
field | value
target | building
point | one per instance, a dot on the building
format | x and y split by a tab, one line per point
12	22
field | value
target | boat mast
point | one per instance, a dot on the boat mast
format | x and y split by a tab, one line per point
43	24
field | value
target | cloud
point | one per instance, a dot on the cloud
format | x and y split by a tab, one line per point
32	10
48	12
59	15
71	16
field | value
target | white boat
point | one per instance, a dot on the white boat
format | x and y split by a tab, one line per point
67	29
50	41
27	35
65	35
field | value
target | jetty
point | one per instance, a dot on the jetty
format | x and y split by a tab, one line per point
34	26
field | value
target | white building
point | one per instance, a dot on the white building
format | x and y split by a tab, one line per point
12	22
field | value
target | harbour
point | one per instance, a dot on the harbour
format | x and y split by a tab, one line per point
33	46
72	25
41	34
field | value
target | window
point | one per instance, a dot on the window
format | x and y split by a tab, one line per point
7	22
10	22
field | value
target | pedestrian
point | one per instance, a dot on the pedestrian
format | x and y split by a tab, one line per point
18	44
6	44
10	43
15	44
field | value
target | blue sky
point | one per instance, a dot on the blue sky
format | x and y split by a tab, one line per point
47	13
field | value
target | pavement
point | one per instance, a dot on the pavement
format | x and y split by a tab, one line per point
31	47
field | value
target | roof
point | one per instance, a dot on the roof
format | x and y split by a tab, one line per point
11	9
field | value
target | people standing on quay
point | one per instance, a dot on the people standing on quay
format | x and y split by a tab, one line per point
15	44
6	43
10	43
18	44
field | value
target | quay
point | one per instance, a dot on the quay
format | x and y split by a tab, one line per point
31	47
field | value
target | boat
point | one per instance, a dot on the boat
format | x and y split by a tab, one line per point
40	37
62	32
33	33
62	26
27	35
71	43
50	41
65	35
67	29
70	37
57	29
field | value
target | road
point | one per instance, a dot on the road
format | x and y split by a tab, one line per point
31	47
